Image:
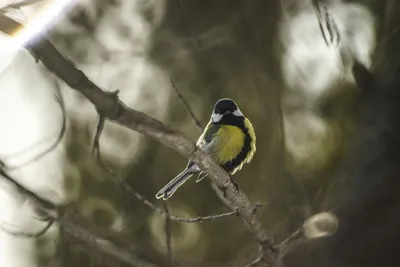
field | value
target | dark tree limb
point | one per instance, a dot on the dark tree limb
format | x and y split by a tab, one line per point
80	228
102	240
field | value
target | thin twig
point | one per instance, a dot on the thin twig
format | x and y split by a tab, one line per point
25	234
61	258
101	240
325	19
99	130
80	228
183	101
292	242
162	212
168	239
60	100
124	185
254	262
96	141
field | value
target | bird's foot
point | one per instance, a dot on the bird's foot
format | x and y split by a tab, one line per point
236	184
224	188
255	209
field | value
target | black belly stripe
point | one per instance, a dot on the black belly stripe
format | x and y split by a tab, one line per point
231	165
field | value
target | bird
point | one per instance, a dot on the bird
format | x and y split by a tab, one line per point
229	138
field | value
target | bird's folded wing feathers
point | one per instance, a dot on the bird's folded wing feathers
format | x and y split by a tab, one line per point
206	140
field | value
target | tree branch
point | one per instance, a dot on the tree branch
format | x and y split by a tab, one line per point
100	239
19	5
80	228
60	100
125	186
172	217
25	234
168	237
325	19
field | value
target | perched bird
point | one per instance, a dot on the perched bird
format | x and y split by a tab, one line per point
230	140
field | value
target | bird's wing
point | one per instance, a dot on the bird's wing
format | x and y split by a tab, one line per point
252	134
207	140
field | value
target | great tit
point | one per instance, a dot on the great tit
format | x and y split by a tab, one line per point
230	140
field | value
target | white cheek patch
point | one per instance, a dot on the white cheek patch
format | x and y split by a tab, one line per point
238	113
216	117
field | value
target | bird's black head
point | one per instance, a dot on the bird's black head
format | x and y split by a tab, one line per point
226	112
225	105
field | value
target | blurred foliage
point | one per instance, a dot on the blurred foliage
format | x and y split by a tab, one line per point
230	49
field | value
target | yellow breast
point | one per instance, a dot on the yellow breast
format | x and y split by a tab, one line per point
230	143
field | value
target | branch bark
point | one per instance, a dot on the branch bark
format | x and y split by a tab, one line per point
80	228
100	239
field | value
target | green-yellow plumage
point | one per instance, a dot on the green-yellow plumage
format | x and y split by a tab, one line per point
229	138
229	141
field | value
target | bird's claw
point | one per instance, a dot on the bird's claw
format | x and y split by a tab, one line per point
236	184
254	211
225	187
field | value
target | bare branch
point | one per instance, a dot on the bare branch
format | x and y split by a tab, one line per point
325	20
99	130
162	212
168	233
184	102
62	255
292	242
319	225
59	99
124	185
80	228
96	141
19	5
254	262
101	239
25	234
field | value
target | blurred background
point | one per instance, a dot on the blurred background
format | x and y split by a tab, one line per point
269	56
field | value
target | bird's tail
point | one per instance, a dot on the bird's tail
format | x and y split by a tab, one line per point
174	184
